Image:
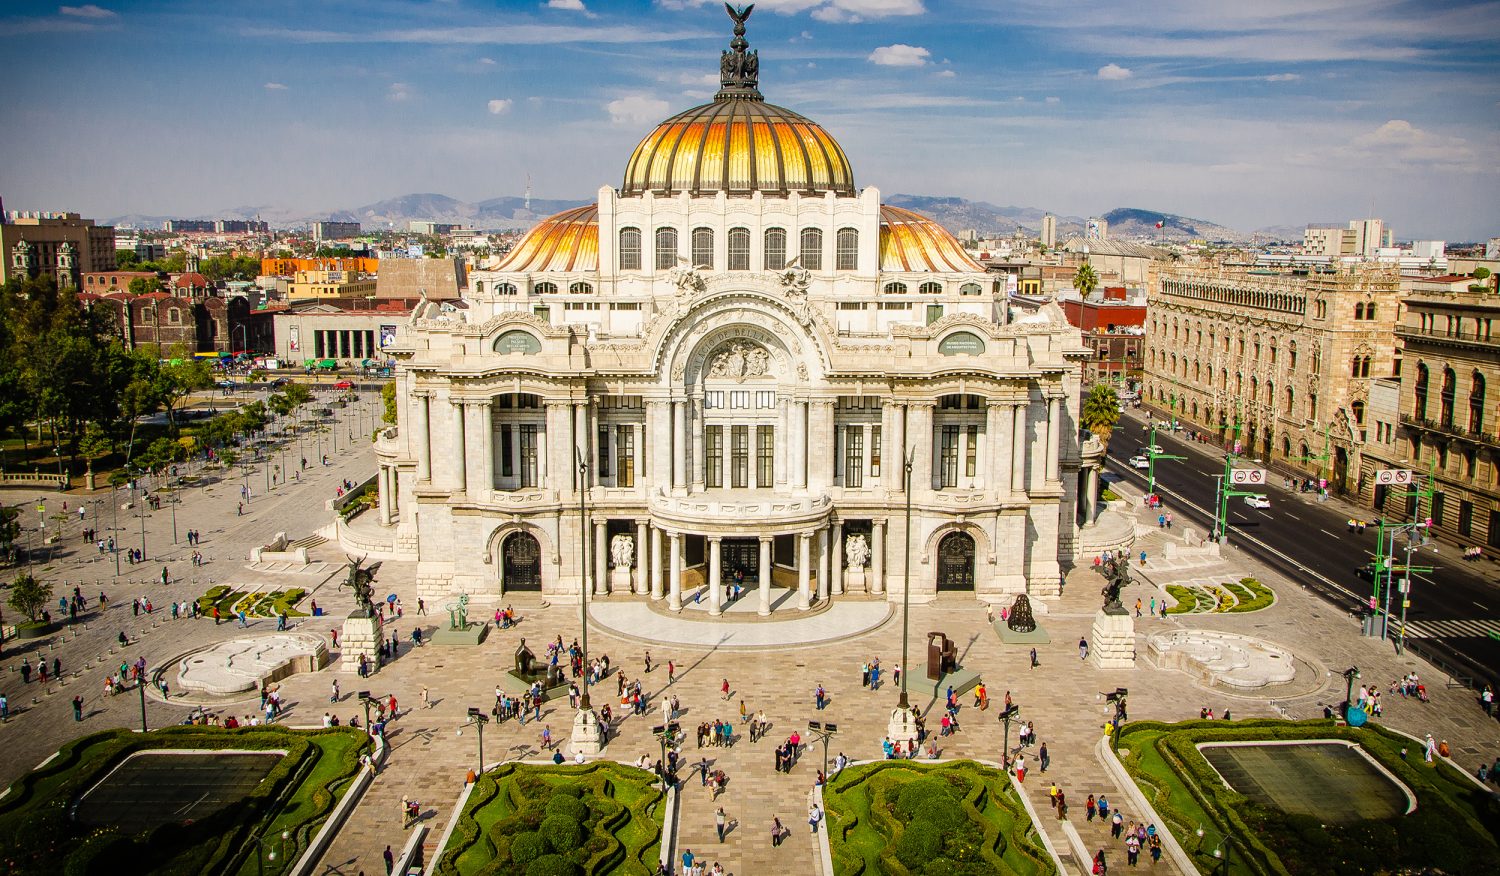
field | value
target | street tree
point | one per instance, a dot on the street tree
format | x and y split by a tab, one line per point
28	595
1101	411
1085	280
178	374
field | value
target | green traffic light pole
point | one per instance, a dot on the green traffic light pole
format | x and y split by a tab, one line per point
1152	455
1384	562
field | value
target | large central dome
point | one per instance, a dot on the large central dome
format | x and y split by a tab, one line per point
738	144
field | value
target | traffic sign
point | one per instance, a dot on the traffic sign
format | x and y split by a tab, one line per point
1393	476
1253	476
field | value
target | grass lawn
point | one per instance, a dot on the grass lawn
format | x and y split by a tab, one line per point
269	603
37	835
1187	600
550	821
899	817
1455	828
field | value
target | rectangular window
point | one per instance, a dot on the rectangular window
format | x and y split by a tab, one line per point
854	456
666	249
507	469
713	457
713	400
846	258
603	451
971	455
703	247
528	455
624	456
775	255
765	399
765	456
630	249
740	399
739	456
812	249
874	451
948	461
739	249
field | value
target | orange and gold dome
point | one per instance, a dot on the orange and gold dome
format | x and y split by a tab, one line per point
738	146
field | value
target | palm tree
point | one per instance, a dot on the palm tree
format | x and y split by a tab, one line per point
1085	281
1101	411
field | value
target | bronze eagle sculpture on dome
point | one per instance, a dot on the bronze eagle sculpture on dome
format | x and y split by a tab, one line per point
738	16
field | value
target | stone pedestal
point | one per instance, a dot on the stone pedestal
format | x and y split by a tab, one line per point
854	579
619	579
588	736
361	635
902	726
1112	641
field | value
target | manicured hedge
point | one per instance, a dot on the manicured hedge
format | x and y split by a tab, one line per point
902	817
1454	830
38	836
546	821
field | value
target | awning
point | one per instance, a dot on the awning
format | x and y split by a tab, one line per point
328	363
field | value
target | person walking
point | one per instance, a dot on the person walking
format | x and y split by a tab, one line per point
1043	757
724	689
78	708
1034	664
1083	649
671	672
720	822
426	701
777	831
390	860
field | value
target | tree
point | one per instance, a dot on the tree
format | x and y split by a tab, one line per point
28	595
178	374
1101	411
1085	280
142	285
125	258
388	396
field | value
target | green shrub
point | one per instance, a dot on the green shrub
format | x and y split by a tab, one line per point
571	789
564	804
562	833
913	794
919	843
553	865
943	813
527	847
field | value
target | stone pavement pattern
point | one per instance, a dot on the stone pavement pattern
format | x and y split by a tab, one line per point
428	761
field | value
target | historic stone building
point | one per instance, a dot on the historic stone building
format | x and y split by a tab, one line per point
1287	356
712	375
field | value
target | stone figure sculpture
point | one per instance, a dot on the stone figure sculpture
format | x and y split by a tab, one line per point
1116	577
740	360
458	613
524	659
362	581
622	551
1021	619
857	550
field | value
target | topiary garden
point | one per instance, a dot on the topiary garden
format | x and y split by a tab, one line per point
894	818
558	821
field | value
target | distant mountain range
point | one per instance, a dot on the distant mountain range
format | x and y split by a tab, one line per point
958	215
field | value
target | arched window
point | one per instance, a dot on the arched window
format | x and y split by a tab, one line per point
703	247
545	289
846	250
1358	409
971	289
1286	446
1312	411
1476	402
1370	310
775	249
895	289
478	287
930	288
581	288
630	249
739	249
1419	390
1291	355
1291	398
1359	311
505	289
812	249
1270	392
174	316
1450	389
1354	367
666	249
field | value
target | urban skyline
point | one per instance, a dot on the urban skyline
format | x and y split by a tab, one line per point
1279	115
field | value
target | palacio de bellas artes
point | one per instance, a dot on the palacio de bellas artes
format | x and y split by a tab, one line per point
735	377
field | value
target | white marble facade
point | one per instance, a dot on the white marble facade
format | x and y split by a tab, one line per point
602	413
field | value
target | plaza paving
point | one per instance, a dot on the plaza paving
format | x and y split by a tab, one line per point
428	761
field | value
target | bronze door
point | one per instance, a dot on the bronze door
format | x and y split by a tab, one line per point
523	562
956	562
742	555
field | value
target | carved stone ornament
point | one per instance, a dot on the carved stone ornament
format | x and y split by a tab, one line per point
795	279
740	359
622	551
686	277
857	550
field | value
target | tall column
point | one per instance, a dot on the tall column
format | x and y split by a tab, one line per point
559	448
1004	465
1019	450
919	423
877	556
901	445
596	452
783	458
674	595
460	473
641	546
823	564
387	497
891	453
580	443
695	430
989	468
804	559
820	440
421	436
679	445
715	592
799	444
836	560
486	426
656	583
1054	437
765	576
601	557
659	427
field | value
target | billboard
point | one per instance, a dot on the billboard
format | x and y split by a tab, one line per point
387	336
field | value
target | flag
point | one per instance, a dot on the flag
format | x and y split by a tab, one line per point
1159	223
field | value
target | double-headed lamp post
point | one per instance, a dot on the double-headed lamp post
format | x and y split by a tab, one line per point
260	843
664	734
583	572
907	464
1006	716
477	720
824	732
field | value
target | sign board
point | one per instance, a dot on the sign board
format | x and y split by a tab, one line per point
387	336
961	344
1393	476
1254	477
517	341
294	338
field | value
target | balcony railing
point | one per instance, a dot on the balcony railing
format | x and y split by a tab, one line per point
1448	429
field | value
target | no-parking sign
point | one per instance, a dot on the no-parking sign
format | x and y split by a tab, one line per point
1393	476
1254	477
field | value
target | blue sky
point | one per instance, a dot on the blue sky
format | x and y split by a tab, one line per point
1251	114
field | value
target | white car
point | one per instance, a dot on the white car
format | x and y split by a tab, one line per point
1258	500
1140	462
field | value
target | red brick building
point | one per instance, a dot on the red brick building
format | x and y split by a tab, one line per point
1116	332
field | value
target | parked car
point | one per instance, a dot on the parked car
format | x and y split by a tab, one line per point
280	382
344	384
1140	462
1258	500
227	384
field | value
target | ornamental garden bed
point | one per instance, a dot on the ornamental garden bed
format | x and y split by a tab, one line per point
85	811
1454	829
901	817
1234	597
532	820
264	603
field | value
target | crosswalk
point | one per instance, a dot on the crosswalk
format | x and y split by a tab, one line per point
1453	629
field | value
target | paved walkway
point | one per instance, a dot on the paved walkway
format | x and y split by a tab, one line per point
743	628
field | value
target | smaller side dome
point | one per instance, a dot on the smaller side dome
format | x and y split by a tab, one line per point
567	241
912	242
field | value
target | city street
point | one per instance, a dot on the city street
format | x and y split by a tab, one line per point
1456	606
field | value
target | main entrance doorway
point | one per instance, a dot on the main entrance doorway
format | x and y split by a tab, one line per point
955	568
740	555
522	559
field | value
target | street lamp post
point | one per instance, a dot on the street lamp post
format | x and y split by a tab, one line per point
583	572
1006	716
114	504
477	720
172	491
260	846
140	685
907	464
1349	675
665	733
824	732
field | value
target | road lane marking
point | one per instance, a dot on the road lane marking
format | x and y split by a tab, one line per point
1327	533
1293	516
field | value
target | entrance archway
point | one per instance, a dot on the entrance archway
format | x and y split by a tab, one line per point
955	567
522	558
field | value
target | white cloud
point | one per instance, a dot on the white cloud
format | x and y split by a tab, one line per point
946	74
1114	72
574	5
1283	77
275	86
636	109
900	55
399	91
499	106
88	10
835	11
1401	142
488	62
1054	100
